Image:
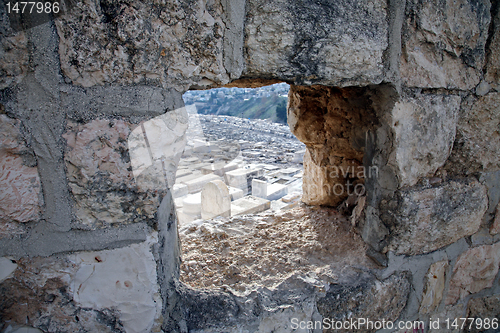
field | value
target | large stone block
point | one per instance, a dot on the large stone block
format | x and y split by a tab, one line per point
424	131
20	187
39	294
101	178
366	297
173	43
444	43
422	220
484	307
123	279
478	140
338	43
474	271
14	56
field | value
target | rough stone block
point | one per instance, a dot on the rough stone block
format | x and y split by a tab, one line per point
14	55
167	44
101	178
424	128
124	279
20	187
423	220
434	287
444	43
351	35
474	271
484	307
478	140
40	295
363	296
215	200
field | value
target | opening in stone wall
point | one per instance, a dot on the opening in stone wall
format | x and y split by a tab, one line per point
239	185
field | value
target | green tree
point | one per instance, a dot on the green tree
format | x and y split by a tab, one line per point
281	111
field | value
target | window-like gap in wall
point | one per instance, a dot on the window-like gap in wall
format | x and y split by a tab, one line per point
237	184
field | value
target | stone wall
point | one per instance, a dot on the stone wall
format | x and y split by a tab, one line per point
407	89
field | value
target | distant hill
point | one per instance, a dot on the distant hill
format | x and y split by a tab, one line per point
260	103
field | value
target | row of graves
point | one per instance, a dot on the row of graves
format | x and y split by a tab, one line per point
227	178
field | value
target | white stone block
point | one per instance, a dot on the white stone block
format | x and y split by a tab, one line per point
124	279
236	193
192	204
179	190
259	188
215	200
195	185
249	205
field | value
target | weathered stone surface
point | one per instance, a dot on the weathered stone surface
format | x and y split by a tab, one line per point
478	140
495	227
14	55
493	53
20	188
215	200
434	287
100	175
474	270
338	43
444	43
366	297
155	148
333	124
39	295
158	43
123	279
424	128
449	312
484	307
422	220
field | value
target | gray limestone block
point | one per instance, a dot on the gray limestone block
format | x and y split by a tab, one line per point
339	43
424	219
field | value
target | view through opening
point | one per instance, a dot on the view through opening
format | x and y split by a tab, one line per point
237	193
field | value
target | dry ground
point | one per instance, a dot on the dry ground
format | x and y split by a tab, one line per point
246	251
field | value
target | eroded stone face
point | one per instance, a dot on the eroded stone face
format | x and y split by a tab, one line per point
20	188
338	43
123	279
100	175
444	43
366	297
424	128
104	291
423	220
478	139
14	54
474	271
38	294
174	43
484	307
333	124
